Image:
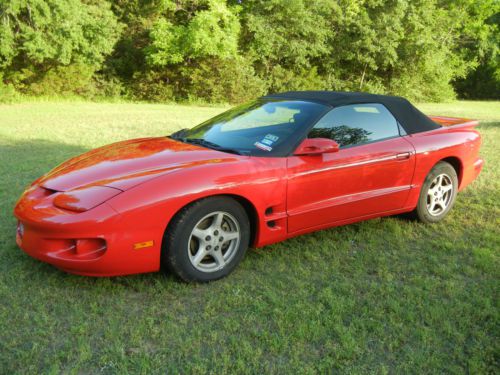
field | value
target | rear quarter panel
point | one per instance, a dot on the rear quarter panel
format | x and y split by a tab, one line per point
458	142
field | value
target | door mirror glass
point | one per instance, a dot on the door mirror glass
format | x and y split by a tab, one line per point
316	146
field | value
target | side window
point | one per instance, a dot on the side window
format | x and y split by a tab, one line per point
355	124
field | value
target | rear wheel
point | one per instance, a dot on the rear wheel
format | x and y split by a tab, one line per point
438	193
206	240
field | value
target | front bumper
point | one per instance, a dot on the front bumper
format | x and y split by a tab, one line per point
97	242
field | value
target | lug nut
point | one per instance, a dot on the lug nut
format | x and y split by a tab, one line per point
209	247
221	239
208	238
216	248
216	232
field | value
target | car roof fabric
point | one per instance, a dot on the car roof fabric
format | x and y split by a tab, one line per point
410	118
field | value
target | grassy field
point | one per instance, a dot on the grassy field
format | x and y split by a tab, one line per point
383	296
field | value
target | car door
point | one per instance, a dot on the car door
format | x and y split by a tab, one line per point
371	173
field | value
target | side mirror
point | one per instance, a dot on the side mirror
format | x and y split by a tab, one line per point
316	146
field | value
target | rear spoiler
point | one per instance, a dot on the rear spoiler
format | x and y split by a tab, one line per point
456	122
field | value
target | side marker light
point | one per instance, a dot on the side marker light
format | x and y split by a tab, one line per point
142	245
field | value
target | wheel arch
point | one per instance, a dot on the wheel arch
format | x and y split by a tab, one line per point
247	205
457	164
251	211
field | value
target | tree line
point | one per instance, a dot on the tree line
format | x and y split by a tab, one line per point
234	50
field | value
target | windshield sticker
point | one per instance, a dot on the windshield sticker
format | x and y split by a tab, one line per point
262	146
269	140
272	137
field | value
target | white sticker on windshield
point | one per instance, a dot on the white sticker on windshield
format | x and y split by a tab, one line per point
269	139
262	146
272	137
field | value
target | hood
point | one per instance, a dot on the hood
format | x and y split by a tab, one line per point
126	164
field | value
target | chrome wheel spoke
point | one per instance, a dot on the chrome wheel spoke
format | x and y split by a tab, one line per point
199	233
432	207
439	180
229	236
219	258
447	188
431	195
218	221
199	256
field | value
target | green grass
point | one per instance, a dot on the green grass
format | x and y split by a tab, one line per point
383	296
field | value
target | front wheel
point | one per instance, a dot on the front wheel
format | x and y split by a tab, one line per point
438	193
206	240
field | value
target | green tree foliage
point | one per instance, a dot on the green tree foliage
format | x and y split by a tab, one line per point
480	43
211	32
226	80
192	53
282	36
40	40
232	50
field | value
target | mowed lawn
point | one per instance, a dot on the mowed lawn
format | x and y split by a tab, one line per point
383	296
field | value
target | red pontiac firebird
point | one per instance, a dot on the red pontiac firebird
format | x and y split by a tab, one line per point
280	166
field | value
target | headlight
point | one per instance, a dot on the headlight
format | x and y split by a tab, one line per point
84	199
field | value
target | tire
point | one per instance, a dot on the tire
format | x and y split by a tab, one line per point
206	240
438	194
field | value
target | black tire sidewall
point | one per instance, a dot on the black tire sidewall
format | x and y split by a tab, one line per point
421	210
174	250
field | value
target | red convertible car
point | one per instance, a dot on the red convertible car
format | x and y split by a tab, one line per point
280	166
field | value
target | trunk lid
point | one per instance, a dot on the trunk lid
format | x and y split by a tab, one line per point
455	122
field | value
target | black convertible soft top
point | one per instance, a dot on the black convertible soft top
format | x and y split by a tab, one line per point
410	118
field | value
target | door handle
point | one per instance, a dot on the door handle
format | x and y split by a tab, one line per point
403	156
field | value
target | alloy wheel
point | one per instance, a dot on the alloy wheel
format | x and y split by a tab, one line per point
214	241
439	195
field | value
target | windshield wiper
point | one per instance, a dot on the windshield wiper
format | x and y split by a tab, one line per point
178	134
211	145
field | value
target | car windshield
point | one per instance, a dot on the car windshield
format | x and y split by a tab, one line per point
258	128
